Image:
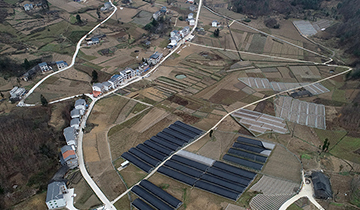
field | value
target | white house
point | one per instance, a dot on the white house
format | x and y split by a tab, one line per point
55	195
28	7
80	104
115	80
173	41
70	135
76	113
16	93
128	73
156	15
214	23
185	31
61	64
191	22
43	67
155	58
98	88
75	123
69	156
190	16
107	85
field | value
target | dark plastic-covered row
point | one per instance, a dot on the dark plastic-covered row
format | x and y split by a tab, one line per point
158	147
184	169
156	154
176	134
174	202
243	162
191	163
141	205
248	147
131	158
164	143
188	127
176	175
235	170
182	130
218	181
247	155
231	177
217	190
145	158
174	140
151	199
250	141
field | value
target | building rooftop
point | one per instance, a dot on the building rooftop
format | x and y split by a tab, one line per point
75	112
322	186
67	152
80	102
155	55
54	191
69	134
42	64
75	121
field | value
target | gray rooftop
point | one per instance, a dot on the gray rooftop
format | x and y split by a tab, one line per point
106	83
75	112
67	148
98	85
80	102
54	192
69	133
75	121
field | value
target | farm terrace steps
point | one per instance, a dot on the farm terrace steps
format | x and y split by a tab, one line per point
259	122
152	152
263	83
207	174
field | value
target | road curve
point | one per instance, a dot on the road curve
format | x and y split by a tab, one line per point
78	45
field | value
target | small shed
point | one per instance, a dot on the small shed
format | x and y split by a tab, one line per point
214	23
28	7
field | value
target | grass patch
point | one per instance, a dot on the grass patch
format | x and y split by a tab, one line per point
306	156
347	148
355	198
138	108
339	204
174	55
127	123
91	65
132	175
73	19
250	99
83	56
58	48
146	100
123	203
333	136
339	95
294	207
246	198
164	43
75	36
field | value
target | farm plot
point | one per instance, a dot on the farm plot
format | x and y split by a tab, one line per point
257	44
262	83
305	27
260	123
305	72
142	18
301	112
272	186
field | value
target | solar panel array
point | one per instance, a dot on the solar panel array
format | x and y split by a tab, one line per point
250	153
151	196
219	178
152	152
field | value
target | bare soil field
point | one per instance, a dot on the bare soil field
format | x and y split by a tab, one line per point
216	147
282	160
132	175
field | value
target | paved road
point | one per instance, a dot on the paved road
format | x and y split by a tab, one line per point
306	191
21	103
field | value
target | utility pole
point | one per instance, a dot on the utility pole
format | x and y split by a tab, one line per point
237	49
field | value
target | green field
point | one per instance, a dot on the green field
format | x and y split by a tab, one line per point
339	95
346	149
333	136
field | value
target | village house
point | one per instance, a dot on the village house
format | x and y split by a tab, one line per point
29	74
155	58
156	15
70	135
214	24
61	64
190	16
128	73
98	89
17	93
163	9
144	67
75	123
55	195
80	104
191	22
190	1
44	67
76	113
28	7
107	86
322	185
185	31
192	8
115	80
107	7
69	157
94	40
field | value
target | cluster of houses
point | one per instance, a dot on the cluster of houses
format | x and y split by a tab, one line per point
17	93
125	75
55	197
160	13
176	36
43	68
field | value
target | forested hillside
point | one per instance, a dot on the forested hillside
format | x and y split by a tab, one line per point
29	155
